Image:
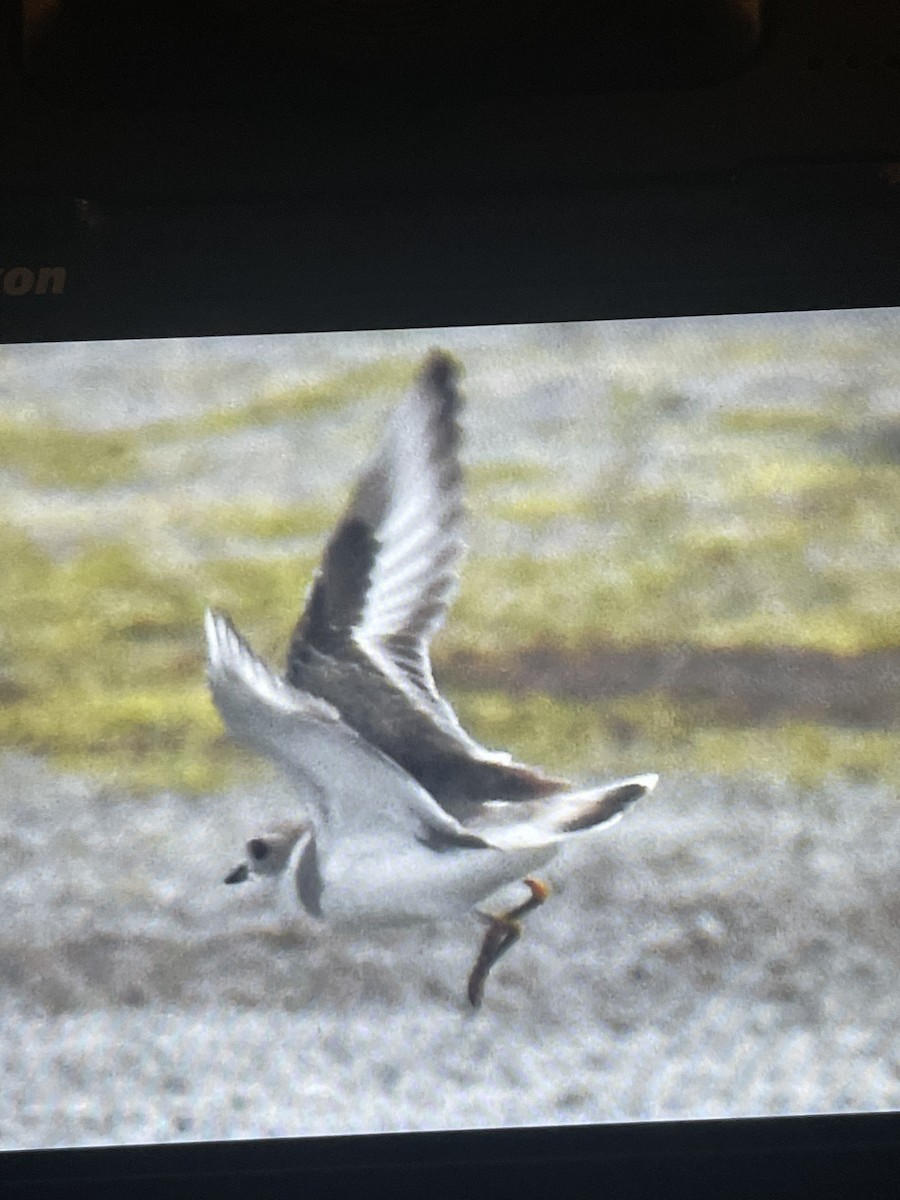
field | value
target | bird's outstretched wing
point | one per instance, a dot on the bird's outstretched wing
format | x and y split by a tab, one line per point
389	571
387	577
349	785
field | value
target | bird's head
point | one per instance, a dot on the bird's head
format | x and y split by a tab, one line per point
268	854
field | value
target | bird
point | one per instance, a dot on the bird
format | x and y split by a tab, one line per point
405	818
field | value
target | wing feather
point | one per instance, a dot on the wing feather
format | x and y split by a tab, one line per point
388	575
390	569
349	784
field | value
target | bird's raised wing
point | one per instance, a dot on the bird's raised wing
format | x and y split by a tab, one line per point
386	579
349	785
389	571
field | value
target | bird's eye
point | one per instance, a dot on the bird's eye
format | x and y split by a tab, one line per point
258	849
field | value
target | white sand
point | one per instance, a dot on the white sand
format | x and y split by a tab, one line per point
729	949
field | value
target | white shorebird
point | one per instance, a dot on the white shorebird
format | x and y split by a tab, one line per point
408	819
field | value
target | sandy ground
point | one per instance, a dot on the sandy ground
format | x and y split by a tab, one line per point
728	949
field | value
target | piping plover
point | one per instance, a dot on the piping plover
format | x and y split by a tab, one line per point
407	818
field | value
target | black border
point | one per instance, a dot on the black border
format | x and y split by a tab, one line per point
766	238
772	1157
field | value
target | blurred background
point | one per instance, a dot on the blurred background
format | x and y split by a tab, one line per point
683	558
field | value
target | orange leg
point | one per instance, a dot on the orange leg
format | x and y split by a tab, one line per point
502	933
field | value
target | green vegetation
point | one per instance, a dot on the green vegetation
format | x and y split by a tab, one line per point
488	476
263	522
537	509
763	534
718	587
304	400
643	733
102	658
50	455
778	421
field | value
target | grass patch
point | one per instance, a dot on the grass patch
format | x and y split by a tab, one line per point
263	522
719	592
730	538
161	735
303	400
102	658
488	476
649	733
101	655
49	455
536	509
777	422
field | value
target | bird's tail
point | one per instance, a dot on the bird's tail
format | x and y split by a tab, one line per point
511	826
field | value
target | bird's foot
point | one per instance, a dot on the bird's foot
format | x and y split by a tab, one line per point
540	892
502	933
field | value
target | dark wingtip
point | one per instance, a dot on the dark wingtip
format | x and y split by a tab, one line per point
440	370
437	383
629	793
608	806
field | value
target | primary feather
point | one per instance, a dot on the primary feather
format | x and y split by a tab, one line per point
387	577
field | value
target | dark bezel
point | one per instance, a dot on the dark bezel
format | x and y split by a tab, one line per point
821	1156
